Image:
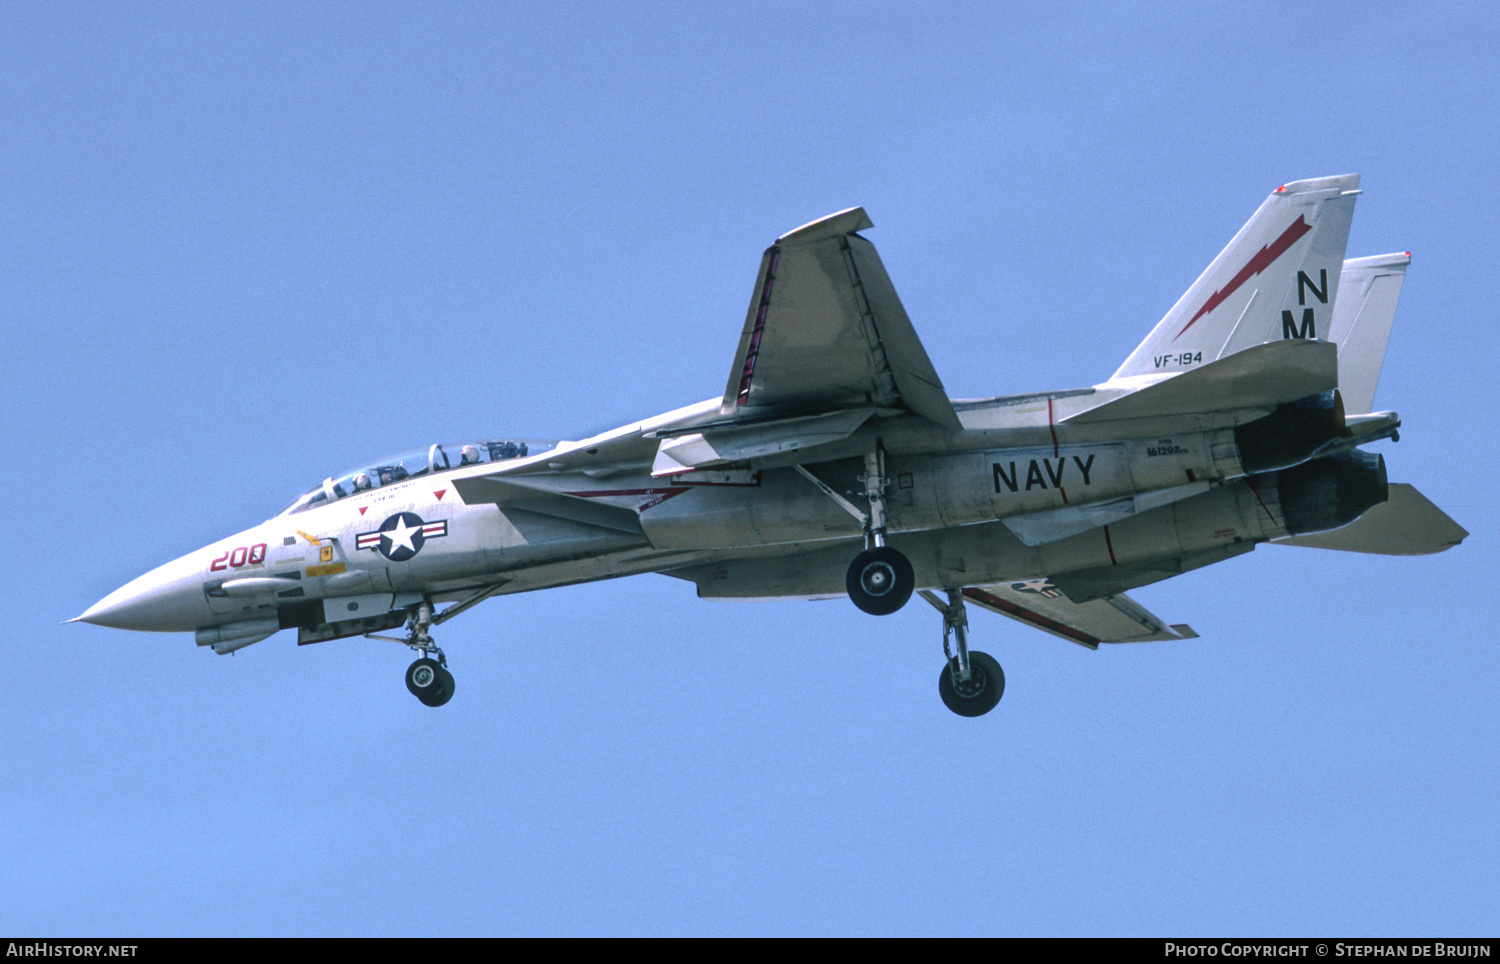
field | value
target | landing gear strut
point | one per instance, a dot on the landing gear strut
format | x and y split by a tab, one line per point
880	579
427	678
972	682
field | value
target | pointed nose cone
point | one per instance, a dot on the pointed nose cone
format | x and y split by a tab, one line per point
168	599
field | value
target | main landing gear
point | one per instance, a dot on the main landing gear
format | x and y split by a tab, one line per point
880	579
970	683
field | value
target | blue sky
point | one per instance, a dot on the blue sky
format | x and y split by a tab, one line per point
244	246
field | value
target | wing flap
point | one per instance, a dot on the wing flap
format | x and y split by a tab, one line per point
1037	603
917	381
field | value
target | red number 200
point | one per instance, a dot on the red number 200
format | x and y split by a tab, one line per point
233	559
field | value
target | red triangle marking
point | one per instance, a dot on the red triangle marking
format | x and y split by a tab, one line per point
362	509
440	493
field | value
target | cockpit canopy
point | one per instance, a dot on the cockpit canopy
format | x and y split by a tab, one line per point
410	465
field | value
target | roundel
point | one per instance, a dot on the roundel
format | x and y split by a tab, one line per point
401	536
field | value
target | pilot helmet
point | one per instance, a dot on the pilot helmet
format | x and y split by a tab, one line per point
469	455
361	482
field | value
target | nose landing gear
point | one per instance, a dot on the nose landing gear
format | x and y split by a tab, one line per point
428	679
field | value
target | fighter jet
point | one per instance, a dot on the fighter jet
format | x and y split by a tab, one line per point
834	463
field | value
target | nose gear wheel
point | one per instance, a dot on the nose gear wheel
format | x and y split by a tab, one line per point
429	682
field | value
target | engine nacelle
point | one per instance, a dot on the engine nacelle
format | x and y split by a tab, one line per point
1327	493
1291	434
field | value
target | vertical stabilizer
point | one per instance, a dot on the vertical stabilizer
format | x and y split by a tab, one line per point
1277	279
1369	290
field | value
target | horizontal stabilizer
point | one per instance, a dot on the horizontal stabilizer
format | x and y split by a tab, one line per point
1260	377
1037	603
1407	524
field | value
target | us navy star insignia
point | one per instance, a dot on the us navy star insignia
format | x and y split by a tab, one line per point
401	536
1041	587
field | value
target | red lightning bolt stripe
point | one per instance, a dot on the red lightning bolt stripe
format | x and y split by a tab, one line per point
1263	259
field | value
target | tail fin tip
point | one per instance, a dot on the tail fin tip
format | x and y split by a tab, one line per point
1276	279
1338	182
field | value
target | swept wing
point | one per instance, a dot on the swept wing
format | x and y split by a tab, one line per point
826	331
